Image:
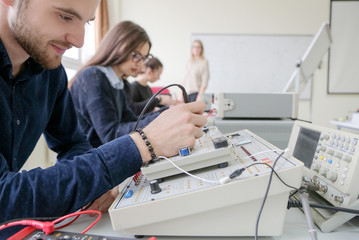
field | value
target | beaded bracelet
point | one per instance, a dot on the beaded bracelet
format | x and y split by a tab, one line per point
148	144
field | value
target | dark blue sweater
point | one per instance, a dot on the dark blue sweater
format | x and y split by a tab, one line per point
34	102
102	107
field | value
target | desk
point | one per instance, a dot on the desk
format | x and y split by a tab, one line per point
345	124
295	228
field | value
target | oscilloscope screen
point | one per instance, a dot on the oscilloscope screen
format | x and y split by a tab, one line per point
306	146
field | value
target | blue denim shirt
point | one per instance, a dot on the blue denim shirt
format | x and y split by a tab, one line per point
34	102
102	107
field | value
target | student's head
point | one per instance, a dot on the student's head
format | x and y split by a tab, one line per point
45	29
124	47
153	69
197	49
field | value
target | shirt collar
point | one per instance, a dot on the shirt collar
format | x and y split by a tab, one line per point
114	80
31	67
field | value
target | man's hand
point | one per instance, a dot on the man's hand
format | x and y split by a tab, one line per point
176	127
103	203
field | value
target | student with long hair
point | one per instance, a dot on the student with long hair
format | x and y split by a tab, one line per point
197	72
98	88
141	92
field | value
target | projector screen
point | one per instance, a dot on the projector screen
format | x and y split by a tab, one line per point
343	74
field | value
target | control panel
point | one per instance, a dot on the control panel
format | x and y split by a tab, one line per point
201	203
331	160
61	235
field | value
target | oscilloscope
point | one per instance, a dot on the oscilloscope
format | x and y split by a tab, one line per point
331	163
163	201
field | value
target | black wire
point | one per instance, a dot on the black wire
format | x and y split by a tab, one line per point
347	210
185	99
293	193
266	195
267	190
274	173
298	204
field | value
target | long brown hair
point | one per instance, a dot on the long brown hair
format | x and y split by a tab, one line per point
117	45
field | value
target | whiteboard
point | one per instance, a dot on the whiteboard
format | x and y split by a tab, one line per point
343	74
252	63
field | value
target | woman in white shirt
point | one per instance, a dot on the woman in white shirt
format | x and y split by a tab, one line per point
197	73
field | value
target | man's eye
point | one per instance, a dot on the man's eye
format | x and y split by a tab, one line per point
66	18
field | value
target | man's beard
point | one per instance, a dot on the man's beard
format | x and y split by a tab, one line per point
32	43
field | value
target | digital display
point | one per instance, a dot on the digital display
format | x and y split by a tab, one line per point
306	145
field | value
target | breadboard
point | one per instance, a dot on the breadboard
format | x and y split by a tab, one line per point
203	154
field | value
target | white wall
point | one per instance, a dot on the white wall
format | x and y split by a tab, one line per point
42	156
170	24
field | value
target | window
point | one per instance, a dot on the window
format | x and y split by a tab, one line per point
74	58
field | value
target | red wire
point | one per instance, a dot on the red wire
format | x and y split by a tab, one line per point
80	213
22	233
209	113
65	225
48	227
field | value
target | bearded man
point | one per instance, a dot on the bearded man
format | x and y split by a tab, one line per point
34	100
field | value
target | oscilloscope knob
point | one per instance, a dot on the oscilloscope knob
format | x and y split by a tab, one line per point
347	158
332	176
323	171
330	151
325	136
338	154
316	167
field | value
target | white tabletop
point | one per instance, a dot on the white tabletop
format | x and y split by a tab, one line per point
295	228
345	124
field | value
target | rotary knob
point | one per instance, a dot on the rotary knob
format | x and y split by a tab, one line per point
315	167
347	158
338	154
332	176
155	187
323	171
330	151
326	136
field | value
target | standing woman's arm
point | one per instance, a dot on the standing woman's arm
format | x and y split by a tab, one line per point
205	79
